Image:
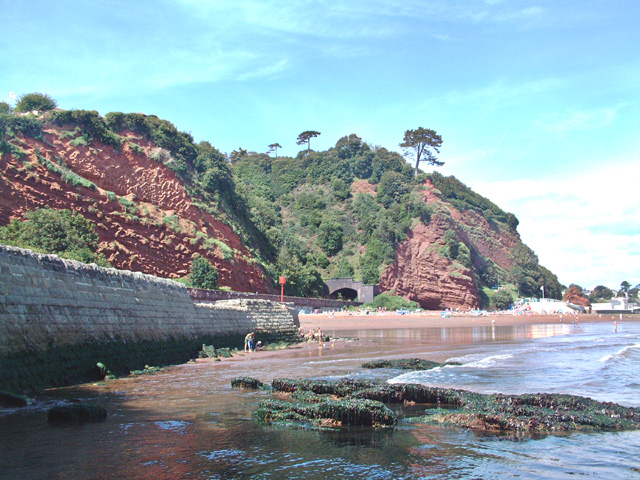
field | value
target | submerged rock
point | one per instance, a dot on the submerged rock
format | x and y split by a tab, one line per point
406	364
76	413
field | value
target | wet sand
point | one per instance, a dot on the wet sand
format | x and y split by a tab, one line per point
346	350
345	321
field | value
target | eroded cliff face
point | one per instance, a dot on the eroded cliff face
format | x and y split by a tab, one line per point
145	218
422	274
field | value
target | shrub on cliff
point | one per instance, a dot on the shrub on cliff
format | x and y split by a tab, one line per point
10	124
162	132
390	302
60	232
91	124
203	274
40	102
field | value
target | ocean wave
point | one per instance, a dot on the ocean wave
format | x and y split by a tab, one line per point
411	377
489	361
624	353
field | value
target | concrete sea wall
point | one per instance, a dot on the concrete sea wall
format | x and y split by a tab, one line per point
58	318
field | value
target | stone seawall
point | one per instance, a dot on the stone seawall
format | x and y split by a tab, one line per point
58	318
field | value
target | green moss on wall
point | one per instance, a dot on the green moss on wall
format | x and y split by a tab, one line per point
58	366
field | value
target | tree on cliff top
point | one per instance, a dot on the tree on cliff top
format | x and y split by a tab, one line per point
422	142
305	137
40	102
274	148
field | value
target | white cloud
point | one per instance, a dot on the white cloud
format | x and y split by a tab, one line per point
585	227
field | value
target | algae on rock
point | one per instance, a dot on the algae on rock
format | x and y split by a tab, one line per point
351	402
406	364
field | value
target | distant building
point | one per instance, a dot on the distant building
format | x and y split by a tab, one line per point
616	305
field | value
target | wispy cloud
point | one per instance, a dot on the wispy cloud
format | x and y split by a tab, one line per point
265	71
502	91
298	17
578	120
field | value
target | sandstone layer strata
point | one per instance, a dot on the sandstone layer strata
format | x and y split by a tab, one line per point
146	220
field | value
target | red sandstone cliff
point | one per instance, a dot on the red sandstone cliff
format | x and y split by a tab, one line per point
420	273
145	218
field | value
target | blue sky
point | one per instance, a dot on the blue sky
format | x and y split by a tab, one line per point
537	102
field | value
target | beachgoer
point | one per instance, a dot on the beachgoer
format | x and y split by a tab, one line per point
248	342
258	345
319	336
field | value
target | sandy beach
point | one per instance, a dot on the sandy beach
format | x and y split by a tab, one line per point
346	321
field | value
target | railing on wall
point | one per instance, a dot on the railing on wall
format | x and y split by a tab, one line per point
201	295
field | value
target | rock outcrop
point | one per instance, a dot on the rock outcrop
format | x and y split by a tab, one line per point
422	274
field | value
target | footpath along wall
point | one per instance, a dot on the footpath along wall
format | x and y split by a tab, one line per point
58	318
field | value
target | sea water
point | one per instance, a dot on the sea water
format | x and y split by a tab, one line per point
187	422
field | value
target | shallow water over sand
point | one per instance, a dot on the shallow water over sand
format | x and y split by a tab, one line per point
187	422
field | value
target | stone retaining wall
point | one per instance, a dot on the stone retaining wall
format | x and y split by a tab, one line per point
325	304
58	318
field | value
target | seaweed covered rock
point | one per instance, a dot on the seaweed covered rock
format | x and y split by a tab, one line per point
369	390
101	372
535	413
247	383
208	351
326	413
12	400
147	369
340	388
76	413
406	364
538	413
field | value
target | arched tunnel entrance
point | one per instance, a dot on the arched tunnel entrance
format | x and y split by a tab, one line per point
345	294
348	289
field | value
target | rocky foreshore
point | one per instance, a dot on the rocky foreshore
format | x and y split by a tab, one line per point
331	403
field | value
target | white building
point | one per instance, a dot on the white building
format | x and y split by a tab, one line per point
616	305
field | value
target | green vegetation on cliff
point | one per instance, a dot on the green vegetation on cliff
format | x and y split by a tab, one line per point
61	232
335	213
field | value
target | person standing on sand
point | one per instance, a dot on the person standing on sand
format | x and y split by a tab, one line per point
248	342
